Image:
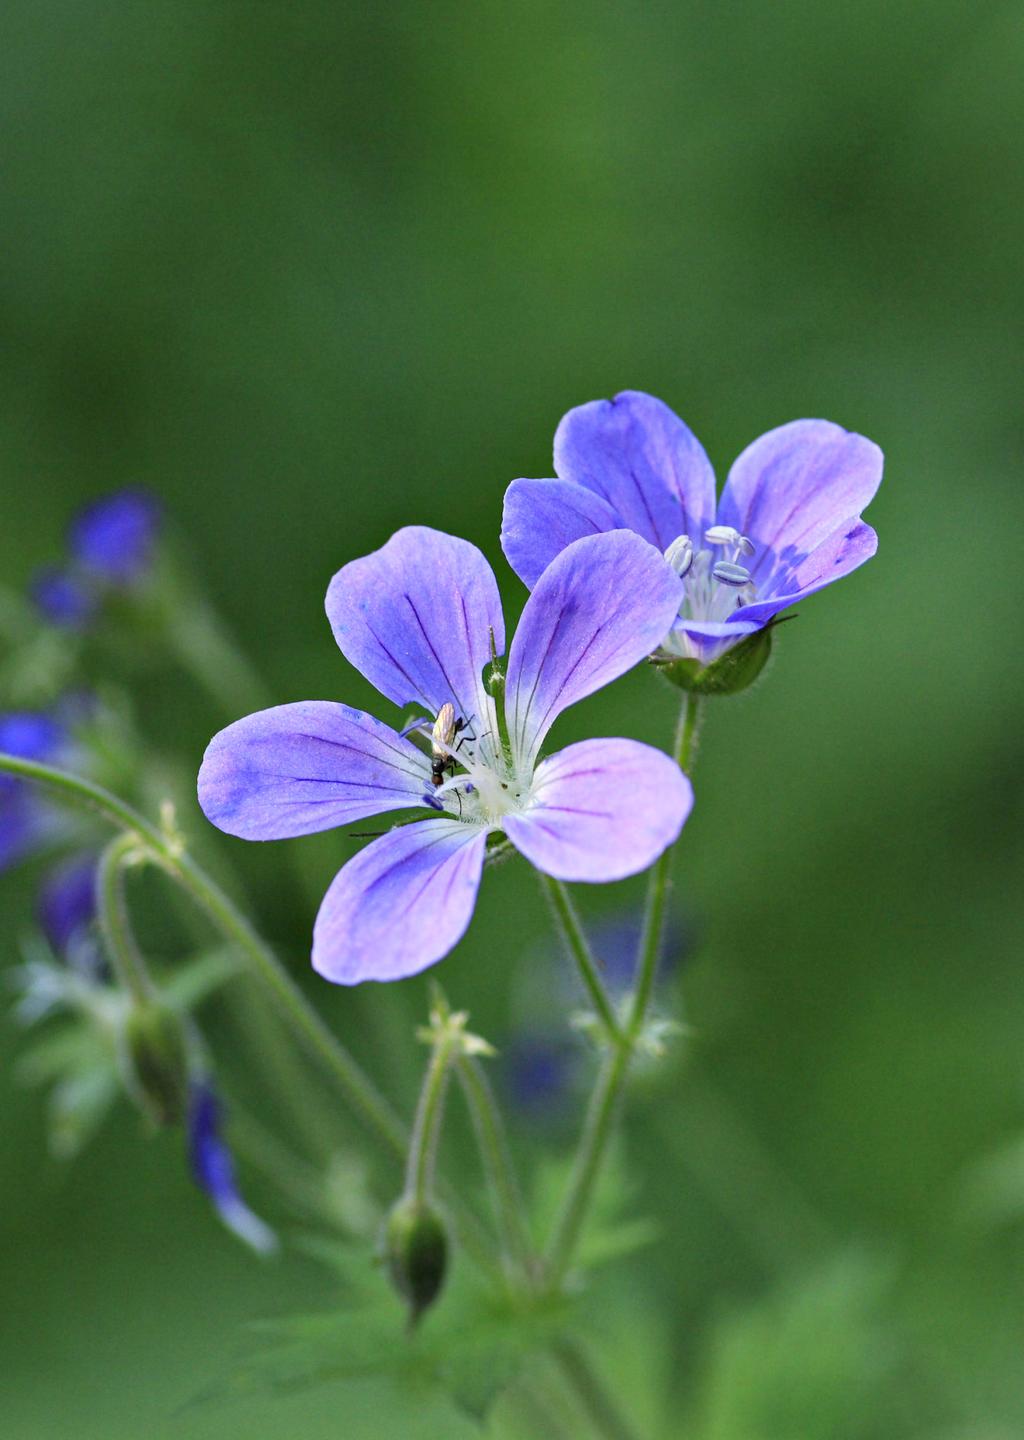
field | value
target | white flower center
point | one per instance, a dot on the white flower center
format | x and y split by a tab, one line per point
716	583
470	781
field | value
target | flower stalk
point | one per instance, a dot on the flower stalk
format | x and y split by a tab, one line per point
607	1093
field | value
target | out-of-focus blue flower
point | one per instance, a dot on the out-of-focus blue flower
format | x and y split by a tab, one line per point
787	523
67	908
114	537
214	1169
26	820
418	618
538	1072
616	942
62	599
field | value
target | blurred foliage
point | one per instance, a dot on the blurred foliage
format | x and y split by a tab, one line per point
310	272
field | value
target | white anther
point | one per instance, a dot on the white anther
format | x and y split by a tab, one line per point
680	554
745	546
729	574
722	535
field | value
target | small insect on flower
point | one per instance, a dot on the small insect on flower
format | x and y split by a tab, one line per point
442	738
422	619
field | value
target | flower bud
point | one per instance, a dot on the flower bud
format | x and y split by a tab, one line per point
154	1062
416	1250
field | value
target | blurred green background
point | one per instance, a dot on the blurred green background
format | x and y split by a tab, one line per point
313	271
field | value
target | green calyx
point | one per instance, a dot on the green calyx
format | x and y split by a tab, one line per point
732	672
416	1250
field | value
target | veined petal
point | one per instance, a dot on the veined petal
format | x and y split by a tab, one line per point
849	546
401	904
792	488
542	517
598	609
601	810
296	769
636	453
416	618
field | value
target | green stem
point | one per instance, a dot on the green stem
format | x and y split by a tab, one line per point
607	1094
492	1143
119	939
572	931
600	1408
684	752
359	1090
426	1130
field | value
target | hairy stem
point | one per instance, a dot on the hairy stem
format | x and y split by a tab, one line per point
573	933
426	1130
607	1093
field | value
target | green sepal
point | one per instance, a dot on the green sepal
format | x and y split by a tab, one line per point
732	672
416	1250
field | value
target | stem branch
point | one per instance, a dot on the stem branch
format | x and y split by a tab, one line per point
607	1093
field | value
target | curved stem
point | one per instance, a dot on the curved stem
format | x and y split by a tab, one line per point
607	1093
119	939
492	1143
360	1091
575	938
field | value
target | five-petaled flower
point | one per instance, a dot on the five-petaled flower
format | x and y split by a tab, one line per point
787	523
417	617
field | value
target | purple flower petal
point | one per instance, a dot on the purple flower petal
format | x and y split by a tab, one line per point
604	603
401	904
602	810
638	455
416	617
542	517
297	769
843	551
794	487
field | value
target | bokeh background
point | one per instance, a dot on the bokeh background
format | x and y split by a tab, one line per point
313	271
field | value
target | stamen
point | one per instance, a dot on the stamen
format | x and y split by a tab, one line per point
729	574
722	535
680	555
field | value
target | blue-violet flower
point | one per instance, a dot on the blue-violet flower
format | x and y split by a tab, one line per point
787	523
417	617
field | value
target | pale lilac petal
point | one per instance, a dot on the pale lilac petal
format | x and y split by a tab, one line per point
849	546
601	810
795	486
300	768
638	455
416	618
598	609
542	517
401	904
